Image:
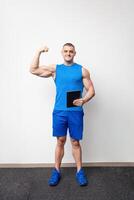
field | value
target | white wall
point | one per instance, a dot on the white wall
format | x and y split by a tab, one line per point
102	32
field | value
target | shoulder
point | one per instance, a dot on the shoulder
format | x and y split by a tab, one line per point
52	67
85	72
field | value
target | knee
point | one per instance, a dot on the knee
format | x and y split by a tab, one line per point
75	144
61	141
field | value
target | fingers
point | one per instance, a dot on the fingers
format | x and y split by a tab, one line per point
43	49
46	49
78	102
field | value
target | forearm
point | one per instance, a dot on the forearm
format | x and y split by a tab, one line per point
35	62
89	95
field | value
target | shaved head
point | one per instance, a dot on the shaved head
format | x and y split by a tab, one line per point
69	44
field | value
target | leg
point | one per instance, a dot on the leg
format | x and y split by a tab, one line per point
77	153
59	151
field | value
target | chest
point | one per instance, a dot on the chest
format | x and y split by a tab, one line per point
69	75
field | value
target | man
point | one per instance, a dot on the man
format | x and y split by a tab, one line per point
69	78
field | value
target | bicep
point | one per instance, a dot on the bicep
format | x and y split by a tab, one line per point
42	72
50	68
87	82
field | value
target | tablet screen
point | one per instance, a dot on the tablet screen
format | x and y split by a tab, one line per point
71	96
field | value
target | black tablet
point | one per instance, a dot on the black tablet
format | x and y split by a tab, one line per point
71	96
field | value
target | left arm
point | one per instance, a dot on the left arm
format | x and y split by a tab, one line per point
88	84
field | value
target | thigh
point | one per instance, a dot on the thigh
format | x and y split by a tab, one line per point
60	123
75	124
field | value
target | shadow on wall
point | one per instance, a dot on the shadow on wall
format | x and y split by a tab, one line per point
89	124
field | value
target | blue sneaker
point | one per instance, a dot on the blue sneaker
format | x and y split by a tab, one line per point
81	178
55	177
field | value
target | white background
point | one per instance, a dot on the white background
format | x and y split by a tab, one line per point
102	32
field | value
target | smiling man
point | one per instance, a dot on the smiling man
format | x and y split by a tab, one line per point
70	78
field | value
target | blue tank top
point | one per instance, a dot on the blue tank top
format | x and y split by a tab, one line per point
68	78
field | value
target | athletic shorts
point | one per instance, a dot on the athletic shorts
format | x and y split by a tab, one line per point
64	120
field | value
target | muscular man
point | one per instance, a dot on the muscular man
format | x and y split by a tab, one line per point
70	78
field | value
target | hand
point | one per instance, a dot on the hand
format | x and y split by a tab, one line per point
43	49
78	102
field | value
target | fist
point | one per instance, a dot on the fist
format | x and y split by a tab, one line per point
43	49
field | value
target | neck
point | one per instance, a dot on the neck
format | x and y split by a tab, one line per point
68	63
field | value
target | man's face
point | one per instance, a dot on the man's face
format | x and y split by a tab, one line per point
68	53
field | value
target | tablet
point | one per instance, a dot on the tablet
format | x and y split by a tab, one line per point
71	96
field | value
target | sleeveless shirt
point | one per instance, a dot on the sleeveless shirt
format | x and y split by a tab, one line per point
68	78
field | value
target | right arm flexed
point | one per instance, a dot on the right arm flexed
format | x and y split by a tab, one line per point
43	71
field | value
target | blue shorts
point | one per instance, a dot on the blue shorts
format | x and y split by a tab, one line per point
62	120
